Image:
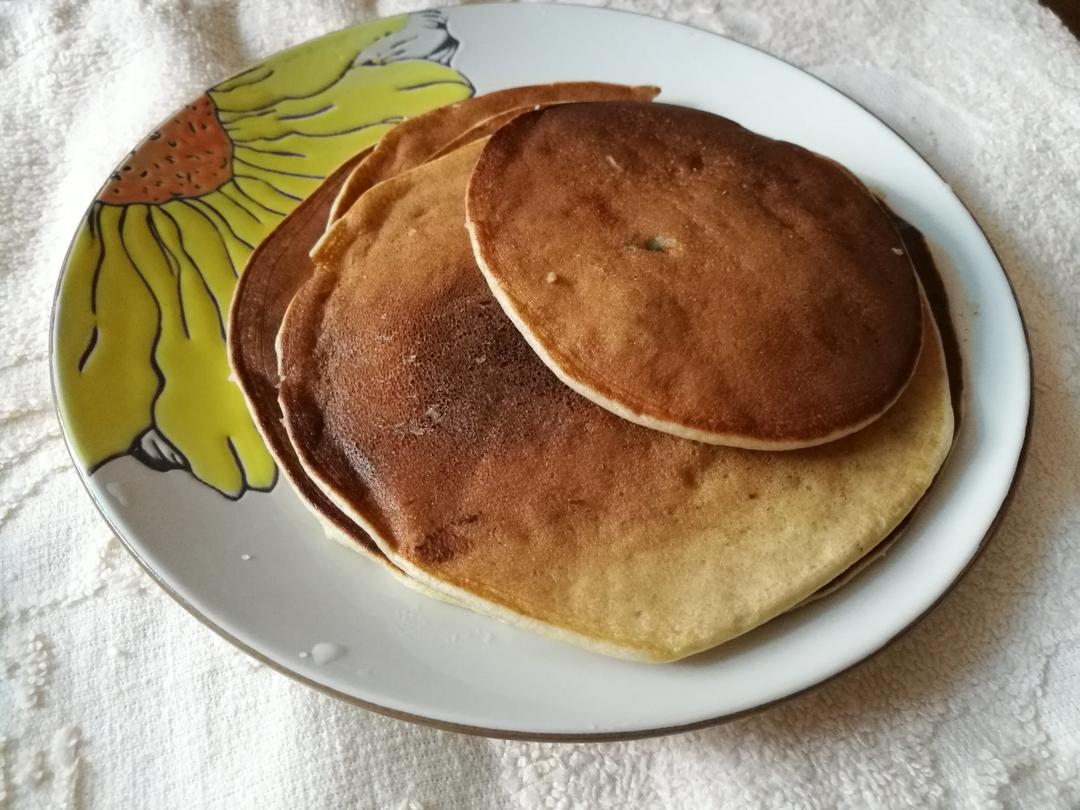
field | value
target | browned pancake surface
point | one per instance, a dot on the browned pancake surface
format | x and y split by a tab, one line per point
281	264
694	276
417	405
418	139
276	270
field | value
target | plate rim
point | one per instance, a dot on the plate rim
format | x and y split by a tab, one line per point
572	737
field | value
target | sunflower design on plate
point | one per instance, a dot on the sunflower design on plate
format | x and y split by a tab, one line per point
140	360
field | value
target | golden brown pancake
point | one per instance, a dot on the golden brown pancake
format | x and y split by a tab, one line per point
281	263
695	277
418	139
420	410
936	298
274	272
485	128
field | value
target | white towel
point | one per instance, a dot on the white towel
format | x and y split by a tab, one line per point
113	697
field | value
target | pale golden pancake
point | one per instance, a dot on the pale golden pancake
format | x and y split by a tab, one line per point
419	409
416	140
695	277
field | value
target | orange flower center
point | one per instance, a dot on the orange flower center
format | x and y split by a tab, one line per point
189	156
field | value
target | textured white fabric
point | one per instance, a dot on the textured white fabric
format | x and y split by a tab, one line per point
112	696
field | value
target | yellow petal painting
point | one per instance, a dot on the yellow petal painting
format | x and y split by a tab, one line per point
140	358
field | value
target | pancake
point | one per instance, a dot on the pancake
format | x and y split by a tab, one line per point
937	299
694	277
417	139
280	264
275	271
420	410
485	128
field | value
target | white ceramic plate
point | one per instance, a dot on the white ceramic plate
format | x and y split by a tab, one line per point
172	465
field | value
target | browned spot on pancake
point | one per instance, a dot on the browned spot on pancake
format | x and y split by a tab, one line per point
444	543
660	243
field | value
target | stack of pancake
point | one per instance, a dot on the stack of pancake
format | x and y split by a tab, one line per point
624	373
